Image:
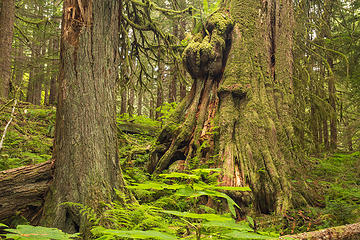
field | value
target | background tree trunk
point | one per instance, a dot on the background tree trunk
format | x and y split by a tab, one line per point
239	109
36	75
140	101
87	165
54	76
7	17
19	71
159	86
123	95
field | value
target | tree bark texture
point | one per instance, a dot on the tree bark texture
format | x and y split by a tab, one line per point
345	232
123	95
87	165
175	72
237	114
22	189
131	101
19	71
7	18
159	87
53	79
140	101
33	94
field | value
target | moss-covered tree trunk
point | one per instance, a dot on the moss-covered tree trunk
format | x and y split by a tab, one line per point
87	165
237	115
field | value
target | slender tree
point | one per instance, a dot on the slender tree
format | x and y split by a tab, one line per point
86	168
54	75
7	17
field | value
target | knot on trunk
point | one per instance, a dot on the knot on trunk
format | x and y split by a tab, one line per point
206	53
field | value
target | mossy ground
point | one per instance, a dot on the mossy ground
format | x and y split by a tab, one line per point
29	137
337	176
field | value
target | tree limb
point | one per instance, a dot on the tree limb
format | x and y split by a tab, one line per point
7	125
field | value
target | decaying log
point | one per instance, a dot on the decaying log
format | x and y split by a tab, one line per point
348	232
22	189
135	128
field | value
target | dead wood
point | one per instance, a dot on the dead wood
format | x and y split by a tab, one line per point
348	232
135	128
22	189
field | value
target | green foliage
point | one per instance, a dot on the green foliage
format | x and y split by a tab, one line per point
139	119
207	10
341	187
133	234
173	209
166	110
337	179
29	137
27	232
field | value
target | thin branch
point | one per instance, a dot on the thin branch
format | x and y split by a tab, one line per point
7	125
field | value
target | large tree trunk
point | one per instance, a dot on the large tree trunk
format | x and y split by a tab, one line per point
23	189
87	165
7	17
237	114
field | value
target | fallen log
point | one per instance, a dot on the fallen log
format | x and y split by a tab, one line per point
135	128
345	232
22	189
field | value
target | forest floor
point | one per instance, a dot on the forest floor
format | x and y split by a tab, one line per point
29	140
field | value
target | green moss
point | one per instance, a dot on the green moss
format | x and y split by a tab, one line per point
28	139
204	54
222	22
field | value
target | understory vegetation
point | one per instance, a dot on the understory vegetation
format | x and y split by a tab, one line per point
176	205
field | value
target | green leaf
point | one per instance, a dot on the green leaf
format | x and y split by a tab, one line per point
133	234
245	235
209	217
3	225
186	192
251	221
227	188
180	175
205	6
215	6
28	232
156	186
206	170
231	224
229	200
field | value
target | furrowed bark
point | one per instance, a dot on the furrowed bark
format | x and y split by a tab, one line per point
22	189
85	147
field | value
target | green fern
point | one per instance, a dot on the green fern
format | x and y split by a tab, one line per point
27	232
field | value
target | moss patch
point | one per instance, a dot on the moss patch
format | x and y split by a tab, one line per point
205	53
29	137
